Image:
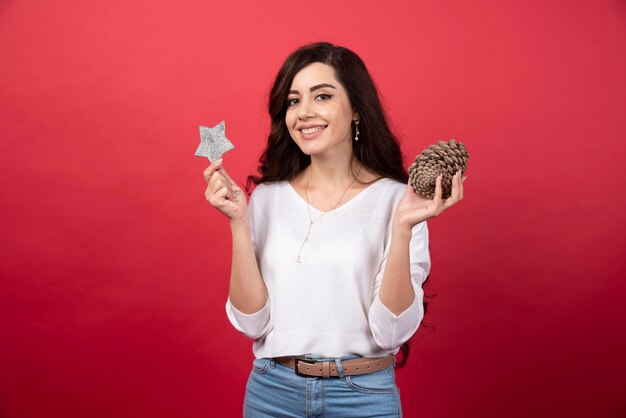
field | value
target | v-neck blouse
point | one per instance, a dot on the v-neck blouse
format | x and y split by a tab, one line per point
328	303
352	201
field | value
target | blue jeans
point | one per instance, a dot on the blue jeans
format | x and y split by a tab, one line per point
275	391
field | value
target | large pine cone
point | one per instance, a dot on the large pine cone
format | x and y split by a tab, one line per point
442	158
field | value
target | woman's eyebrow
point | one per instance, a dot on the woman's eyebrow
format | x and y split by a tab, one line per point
320	86
315	87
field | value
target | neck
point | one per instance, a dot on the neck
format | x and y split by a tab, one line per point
331	173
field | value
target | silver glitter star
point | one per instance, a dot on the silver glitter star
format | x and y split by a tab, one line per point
213	142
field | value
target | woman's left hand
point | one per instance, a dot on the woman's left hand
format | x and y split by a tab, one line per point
414	208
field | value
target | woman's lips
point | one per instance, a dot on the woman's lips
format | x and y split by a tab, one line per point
312	132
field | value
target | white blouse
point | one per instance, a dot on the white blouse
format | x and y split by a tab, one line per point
328	303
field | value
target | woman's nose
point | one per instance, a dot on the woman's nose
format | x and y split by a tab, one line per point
305	111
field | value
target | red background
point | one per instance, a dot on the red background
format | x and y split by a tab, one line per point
114	269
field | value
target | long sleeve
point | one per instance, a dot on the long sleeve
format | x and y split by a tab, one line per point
258	324
390	331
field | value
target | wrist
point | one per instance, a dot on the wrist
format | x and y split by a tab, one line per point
401	231
239	223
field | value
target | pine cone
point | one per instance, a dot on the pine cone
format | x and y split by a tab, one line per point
442	158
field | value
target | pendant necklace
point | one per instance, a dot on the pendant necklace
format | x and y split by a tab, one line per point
311	221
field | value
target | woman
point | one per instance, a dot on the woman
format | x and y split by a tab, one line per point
330	254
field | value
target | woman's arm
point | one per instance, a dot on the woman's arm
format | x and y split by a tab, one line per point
247	290
391	329
396	290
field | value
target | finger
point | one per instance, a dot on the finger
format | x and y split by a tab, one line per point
221	201
233	195
218	176
227	176
455	193
236	189
449	201
212	189
234	186
233	189
216	182
438	192
456	186
229	205
239	195
216	197
220	198
215	165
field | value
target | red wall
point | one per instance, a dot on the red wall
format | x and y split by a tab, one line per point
114	269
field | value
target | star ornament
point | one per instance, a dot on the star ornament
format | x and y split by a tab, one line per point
213	142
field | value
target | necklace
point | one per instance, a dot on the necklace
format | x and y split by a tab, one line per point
311	221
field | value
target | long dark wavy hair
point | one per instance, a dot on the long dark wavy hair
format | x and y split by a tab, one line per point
377	149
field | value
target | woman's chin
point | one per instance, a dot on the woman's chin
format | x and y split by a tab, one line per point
309	148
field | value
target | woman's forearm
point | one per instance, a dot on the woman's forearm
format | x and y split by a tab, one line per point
396	289
247	290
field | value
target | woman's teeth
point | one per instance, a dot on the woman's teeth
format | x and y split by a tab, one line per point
311	130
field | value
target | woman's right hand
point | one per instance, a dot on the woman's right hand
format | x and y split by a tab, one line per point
224	194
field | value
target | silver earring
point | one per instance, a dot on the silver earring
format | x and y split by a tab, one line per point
356	133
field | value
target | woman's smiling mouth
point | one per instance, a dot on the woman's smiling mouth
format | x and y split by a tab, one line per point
310	132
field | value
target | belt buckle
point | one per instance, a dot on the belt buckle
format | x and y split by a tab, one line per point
295	366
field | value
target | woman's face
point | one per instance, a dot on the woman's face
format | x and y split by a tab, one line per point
319	114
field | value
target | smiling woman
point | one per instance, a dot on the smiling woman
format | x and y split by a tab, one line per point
319	114
330	255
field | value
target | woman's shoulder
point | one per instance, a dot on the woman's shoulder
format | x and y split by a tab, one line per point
368	177
265	190
381	191
391	186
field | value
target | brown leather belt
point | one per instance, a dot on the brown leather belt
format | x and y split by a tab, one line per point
312	368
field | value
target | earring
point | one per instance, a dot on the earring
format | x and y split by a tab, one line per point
356	133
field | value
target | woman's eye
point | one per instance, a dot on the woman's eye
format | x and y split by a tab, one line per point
324	96
292	102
